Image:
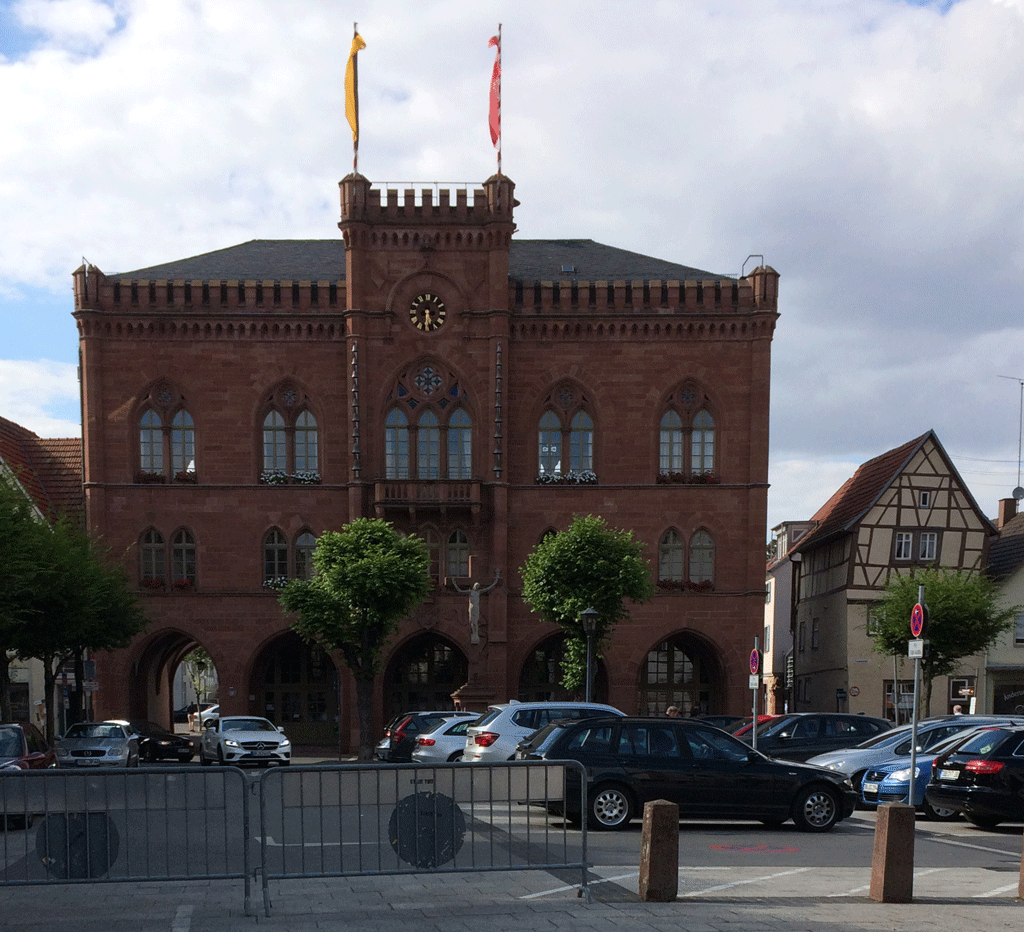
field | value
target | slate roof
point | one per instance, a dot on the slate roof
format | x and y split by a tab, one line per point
1006	552
49	470
324	260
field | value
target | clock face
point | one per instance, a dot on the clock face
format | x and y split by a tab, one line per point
427	311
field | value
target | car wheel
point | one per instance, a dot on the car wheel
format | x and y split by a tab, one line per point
610	807
184	758
202	759
816	809
455	758
940	813
983	821
220	756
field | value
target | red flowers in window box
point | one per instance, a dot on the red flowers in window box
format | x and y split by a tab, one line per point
150	583
705	585
183	585
156	477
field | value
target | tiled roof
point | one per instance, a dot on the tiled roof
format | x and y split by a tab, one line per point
49	470
844	509
324	260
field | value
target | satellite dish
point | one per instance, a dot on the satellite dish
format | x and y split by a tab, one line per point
1018	493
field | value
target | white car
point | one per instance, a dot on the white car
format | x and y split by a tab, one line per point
243	739
496	734
446	743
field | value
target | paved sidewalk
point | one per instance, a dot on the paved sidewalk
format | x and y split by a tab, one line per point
720	900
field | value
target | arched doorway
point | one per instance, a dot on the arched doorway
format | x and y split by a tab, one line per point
682	671
540	679
158	685
422	675
296	687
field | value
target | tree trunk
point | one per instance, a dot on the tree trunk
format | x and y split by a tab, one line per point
49	686
364	704
5	687
75	712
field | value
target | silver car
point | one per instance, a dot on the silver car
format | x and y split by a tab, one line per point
243	739
98	744
445	743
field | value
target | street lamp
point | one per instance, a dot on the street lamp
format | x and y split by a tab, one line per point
589	617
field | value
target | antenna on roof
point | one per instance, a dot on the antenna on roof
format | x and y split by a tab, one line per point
1018	492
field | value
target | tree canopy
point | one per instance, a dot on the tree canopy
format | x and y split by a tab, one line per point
588	565
964	618
64	596
367	578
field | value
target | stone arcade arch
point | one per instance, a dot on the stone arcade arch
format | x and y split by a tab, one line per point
296	687
151	685
684	670
540	678
422	674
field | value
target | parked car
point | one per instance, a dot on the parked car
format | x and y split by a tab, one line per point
743	726
181	715
889	782
23	747
802	735
98	744
445	743
207	714
725	722
855	761
497	733
400	736
157	743
709	774
983	778
243	739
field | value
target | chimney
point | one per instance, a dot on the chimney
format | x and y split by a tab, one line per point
1007	510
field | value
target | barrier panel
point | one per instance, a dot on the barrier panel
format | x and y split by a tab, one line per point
107	825
371	819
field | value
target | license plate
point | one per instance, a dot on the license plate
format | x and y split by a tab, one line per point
261	753
869	787
89	763
949	774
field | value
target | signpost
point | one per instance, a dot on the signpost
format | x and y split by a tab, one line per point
915	650
755	688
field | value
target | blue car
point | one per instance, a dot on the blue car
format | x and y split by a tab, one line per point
888	782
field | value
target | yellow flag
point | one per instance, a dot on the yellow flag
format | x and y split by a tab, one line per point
352	87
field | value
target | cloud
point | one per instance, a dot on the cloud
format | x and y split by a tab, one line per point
41	395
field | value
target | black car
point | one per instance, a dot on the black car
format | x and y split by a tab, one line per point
983	778
708	773
802	735
400	736
157	743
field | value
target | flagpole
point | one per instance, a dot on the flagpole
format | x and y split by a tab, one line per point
499	99
355	87
352	93
494	109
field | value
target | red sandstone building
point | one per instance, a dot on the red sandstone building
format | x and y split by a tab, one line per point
472	388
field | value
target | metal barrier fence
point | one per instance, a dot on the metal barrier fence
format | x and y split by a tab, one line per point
402	819
114	826
182	823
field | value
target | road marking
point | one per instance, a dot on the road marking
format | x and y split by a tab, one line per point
616	879
740	883
939	840
867	886
997	891
182	919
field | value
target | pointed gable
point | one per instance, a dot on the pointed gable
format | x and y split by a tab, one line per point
49	471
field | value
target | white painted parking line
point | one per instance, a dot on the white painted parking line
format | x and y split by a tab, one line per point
182	919
857	890
997	892
740	883
615	879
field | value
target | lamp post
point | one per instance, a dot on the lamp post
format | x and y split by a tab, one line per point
589	618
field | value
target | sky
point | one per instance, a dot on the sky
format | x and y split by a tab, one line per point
869	150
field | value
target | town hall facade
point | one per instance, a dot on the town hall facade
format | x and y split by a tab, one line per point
474	389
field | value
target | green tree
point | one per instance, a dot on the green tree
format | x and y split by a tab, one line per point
964	618
198	664
85	605
25	576
367	578
588	565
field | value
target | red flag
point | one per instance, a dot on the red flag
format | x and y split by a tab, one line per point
495	109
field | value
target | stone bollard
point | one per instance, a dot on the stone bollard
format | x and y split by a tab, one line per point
892	864
1020	883
659	852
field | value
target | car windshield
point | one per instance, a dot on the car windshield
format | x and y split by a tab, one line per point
10	742
246	724
776	727
93	730
149	728
884	737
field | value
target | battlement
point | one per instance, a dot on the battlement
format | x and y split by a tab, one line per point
361	203
94	290
756	292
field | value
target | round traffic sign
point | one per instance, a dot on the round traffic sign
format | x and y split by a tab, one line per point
917	620
755	661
